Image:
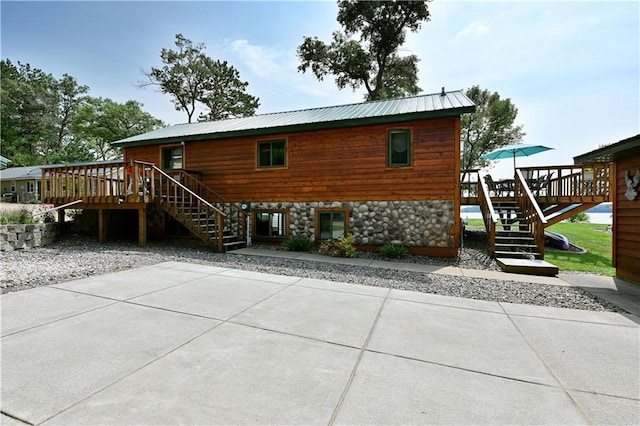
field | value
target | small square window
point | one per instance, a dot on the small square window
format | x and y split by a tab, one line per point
172	158
270	224
272	153
331	225
399	145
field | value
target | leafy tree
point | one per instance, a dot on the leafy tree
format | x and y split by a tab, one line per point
37	110
29	103
70	97
100	121
372	61
490	127
194	79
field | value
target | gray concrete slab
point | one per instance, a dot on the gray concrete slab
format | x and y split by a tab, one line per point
455	302
388	390
600	283
343	287
131	283
192	267
289	356
587	356
10	421
214	296
232	375
48	369
612	318
30	308
476	340
260	276
608	410
330	316
622	293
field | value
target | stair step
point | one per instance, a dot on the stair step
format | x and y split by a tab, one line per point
515	247
234	245
517	255
531	267
514	239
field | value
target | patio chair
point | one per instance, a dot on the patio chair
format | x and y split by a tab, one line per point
494	187
540	185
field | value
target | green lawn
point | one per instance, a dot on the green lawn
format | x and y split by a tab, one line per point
590	236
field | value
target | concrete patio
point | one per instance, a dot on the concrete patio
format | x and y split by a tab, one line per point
179	343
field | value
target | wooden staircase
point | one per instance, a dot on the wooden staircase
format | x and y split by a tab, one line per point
217	222
515	248
201	224
514	238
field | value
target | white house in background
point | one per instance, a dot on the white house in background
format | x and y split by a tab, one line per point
21	184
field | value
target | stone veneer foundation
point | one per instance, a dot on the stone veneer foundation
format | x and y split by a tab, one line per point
428	223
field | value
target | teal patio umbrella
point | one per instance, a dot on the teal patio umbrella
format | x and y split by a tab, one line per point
515	150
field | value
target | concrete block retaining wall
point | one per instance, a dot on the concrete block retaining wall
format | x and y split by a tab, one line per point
24	237
426	223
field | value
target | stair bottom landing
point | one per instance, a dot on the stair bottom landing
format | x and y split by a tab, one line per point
526	266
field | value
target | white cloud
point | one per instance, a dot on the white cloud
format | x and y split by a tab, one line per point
475	29
262	61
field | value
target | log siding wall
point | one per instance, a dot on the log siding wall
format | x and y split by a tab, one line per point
626	244
342	164
337	165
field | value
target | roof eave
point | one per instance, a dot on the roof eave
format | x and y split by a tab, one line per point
398	118
624	148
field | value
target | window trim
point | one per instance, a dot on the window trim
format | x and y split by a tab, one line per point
409	164
271	140
171	146
263	238
319	211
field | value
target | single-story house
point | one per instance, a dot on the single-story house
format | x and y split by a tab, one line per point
385	171
625	156
21	184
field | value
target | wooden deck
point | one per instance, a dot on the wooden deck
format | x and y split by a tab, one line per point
535	199
135	185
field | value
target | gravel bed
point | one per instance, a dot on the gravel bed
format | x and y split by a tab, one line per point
76	257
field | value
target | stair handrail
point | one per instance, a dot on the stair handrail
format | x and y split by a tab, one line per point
489	216
240	215
531	210
192	193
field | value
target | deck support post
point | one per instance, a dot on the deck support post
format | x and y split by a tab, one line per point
142	226
102	225
61	221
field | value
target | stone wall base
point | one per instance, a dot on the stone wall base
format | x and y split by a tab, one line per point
422	225
25	237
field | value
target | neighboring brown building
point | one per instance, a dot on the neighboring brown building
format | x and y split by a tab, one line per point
625	156
385	171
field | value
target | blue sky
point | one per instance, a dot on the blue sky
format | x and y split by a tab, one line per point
572	68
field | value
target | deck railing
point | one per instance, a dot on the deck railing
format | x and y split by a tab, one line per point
573	184
488	214
235	217
93	183
180	193
530	210
587	183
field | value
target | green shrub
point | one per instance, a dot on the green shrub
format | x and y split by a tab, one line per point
579	218
393	251
342	247
17	217
297	243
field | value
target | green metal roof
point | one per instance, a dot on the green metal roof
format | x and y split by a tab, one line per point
374	112
609	153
